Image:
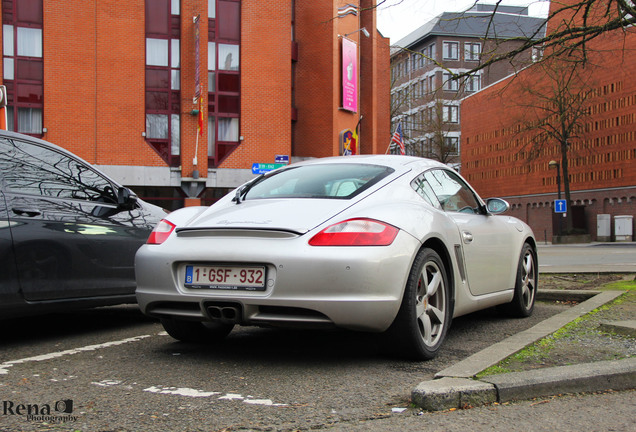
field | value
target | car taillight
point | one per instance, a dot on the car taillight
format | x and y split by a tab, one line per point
161	232
356	232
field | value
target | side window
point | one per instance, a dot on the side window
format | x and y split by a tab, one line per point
35	170
423	189
453	194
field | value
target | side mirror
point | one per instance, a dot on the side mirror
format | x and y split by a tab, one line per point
126	199
497	206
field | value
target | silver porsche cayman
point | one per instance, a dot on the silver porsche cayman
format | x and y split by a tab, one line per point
373	243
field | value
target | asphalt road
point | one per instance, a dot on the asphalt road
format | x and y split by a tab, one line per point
588	258
112	369
123	373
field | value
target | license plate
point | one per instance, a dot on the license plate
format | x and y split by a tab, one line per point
246	278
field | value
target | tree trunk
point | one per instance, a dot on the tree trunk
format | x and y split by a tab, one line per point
566	187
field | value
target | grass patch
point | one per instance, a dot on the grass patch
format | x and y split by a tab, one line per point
621	285
577	340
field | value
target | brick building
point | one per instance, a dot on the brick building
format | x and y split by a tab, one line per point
425	98
179	98
601	160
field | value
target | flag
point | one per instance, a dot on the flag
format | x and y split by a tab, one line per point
398	139
354	142
200	116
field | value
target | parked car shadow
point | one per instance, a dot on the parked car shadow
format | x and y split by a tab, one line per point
60	325
468	334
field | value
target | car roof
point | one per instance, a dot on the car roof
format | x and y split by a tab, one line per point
23	137
41	142
399	163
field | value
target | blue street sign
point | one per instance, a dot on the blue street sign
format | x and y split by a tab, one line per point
560	206
284	159
263	168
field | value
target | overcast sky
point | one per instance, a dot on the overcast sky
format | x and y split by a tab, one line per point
398	18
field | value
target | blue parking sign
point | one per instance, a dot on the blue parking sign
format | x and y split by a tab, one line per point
560	206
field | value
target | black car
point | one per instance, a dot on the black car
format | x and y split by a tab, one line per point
68	233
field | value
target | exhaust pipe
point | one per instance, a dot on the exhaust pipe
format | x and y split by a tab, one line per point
228	314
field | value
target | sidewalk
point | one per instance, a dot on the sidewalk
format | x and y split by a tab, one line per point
456	386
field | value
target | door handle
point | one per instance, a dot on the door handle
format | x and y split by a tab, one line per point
26	212
467	237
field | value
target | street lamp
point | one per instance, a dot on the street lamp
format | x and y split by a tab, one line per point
555	164
363	30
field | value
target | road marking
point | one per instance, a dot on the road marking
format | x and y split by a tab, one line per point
181	391
188	392
4	366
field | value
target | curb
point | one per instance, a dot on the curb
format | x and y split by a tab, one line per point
447	393
456	386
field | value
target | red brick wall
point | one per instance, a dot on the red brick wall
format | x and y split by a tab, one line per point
316	81
538	211
603	156
374	75
601	162
265	83
94	80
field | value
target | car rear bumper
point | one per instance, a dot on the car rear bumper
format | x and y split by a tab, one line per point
350	287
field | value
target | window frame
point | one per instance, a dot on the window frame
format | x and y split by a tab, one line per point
465	195
59	166
451	142
446	49
163	99
450	84
23	70
450	114
224	84
469	52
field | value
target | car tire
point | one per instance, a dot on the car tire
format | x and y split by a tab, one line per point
522	303
195	331
425	313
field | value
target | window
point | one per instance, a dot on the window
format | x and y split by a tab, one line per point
472	51
338	181
228	129
415	91
211	8
30	121
473	83
163	79
423	189
450	114
228	57
34	170
450	83
23	65
451	145
451	50
451	192
432	54
224	67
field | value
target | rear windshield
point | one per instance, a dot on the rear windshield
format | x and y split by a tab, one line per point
337	181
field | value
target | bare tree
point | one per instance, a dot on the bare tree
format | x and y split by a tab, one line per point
572	24
555	105
430	134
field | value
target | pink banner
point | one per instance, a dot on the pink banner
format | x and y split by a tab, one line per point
349	75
